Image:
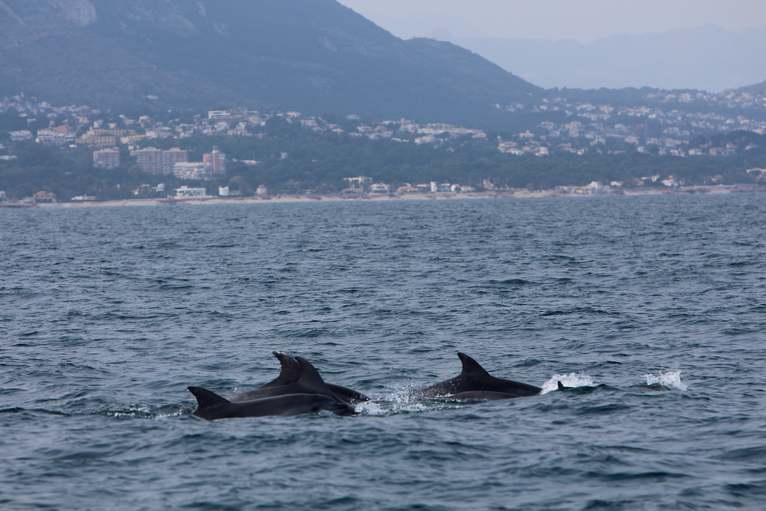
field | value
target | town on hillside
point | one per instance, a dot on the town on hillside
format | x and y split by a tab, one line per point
678	125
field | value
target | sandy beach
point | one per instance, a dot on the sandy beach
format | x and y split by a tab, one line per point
286	199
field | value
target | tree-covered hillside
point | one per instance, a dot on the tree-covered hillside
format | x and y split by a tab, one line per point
309	55
292	159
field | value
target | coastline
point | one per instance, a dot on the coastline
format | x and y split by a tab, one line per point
302	198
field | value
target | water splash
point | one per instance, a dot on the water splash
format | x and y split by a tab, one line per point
571	380
134	412
667	379
372	408
405	400
145	412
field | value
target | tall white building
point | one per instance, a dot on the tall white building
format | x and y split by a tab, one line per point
216	162
106	159
157	161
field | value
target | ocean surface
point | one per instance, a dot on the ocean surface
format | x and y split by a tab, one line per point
654	307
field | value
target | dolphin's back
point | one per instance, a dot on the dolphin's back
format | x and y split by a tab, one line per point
347	394
299	376
474	380
211	406
287	405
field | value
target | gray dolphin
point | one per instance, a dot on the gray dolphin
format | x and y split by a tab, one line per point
475	383
211	406
308	394
290	372
296	377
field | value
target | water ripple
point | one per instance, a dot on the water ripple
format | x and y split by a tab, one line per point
650	309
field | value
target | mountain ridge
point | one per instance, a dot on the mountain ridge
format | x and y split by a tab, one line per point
312	55
707	58
756	88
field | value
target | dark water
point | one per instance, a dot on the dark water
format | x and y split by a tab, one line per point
655	307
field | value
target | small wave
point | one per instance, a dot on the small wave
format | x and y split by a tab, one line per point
43	411
511	282
667	380
572	380
578	310
603	409
753	453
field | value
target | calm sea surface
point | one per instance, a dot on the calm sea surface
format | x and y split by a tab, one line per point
655	307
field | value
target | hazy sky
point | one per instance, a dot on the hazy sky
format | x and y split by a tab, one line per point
555	19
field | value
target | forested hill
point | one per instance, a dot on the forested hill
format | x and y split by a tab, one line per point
315	56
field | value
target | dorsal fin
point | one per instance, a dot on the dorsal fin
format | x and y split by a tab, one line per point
290	370
310	377
471	367
561	386
206	398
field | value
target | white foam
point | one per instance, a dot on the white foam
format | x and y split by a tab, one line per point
133	411
571	380
668	379
404	400
372	408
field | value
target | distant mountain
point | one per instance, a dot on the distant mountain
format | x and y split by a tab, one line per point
708	58
758	88
310	55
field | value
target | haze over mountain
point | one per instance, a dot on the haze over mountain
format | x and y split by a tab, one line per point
708	58
311	55
758	88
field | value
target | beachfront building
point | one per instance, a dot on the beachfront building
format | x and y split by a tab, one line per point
757	173
44	197
380	189
106	159
157	161
440	187
359	184
407	188
186	192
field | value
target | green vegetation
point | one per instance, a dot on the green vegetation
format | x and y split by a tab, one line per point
295	160
310	55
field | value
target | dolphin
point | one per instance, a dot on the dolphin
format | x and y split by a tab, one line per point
290	372
211	406
299	376
474	383
348	394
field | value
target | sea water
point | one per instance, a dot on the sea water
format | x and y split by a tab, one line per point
653	308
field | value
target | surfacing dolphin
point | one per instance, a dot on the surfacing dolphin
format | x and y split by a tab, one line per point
295	377
308	394
289	370
474	383
211	406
